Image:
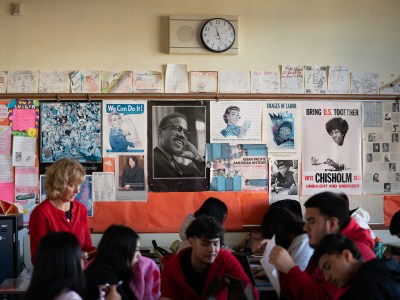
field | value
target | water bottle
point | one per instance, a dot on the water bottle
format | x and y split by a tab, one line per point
378	248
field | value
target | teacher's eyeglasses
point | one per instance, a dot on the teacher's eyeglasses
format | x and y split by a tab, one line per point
178	128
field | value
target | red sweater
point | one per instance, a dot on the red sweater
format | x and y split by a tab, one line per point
174	286
47	218
311	283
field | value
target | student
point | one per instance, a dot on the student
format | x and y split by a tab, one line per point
326	213
289	233
118	261
58	269
212	207
198	272
173	141
343	266
394	226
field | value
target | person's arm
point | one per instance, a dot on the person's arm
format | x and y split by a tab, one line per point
38	227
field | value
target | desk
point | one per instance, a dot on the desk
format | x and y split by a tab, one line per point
14	288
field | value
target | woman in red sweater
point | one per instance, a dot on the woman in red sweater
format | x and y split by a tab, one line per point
59	212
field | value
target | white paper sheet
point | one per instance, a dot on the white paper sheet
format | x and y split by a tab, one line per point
22	82
176	79
264	82
24	151
6	174
292	79
234	82
364	83
103	186
316	81
54	82
148	82
3	81
204	82
338	80
270	269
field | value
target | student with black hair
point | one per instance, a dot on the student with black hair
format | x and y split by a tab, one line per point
394	226
211	207
198	272
343	266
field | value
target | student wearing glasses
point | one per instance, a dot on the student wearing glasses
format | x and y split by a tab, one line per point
173	143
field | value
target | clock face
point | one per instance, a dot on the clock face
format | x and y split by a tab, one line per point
218	35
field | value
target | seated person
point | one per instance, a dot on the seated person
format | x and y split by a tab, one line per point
198	272
343	266
394	227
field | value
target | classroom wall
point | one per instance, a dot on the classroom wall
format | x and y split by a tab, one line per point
133	34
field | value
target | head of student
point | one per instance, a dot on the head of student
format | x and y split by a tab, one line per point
326	213
394	227
338	258
337	128
173	133
63	179
292	205
58	267
204	235
232	115
283	224
119	248
213	207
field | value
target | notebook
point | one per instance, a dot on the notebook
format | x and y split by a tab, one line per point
245	262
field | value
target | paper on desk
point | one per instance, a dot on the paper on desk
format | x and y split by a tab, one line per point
270	269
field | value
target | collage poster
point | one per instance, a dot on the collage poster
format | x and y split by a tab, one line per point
381	148
282	127
332	147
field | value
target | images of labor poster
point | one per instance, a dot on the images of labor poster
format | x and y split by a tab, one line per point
282	127
124	125
284	179
235	121
237	167
381	148
332	147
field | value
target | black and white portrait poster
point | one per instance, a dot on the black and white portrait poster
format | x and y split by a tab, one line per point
235	122
284	181
381	148
124	126
176	151
332	147
282	127
71	129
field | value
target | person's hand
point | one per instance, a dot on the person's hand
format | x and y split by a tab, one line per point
331	163
281	259
189	151
244	128
258	247
259	272
314	161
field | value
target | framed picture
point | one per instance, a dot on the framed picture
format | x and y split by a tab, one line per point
71	129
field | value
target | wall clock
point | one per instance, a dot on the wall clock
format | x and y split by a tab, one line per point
218	35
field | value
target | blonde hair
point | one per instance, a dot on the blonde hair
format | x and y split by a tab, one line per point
63	172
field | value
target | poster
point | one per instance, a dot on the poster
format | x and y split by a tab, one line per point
284	183
381	148
237	167
332	147
177	147
124	126
103	186
71	129
26	189
24	117
282	127
235	121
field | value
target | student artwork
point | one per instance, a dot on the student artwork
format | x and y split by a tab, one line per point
338	80
177	149
265	82
203	81
241	167
284	182
22	82
235	121
282	127
72	130
24	117
124	125
316	79
292	78
3	81
332	148
148	82
364	83
84	196
54	82
116	81
381	147
85	81
234	82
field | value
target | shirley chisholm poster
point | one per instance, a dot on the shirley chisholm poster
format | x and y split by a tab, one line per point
332	148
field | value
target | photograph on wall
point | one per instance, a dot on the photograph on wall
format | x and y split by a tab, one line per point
235	121
84	196
71	129
176	152
331	147
282	127
381	148
284	182
124	126
237	167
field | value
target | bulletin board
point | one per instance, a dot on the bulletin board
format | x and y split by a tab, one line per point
164	211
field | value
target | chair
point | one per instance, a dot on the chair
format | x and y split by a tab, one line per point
175	246
160	252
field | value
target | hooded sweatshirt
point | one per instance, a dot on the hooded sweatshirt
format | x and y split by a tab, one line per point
311	283
375	280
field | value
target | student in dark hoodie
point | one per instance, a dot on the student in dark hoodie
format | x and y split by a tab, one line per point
343	266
